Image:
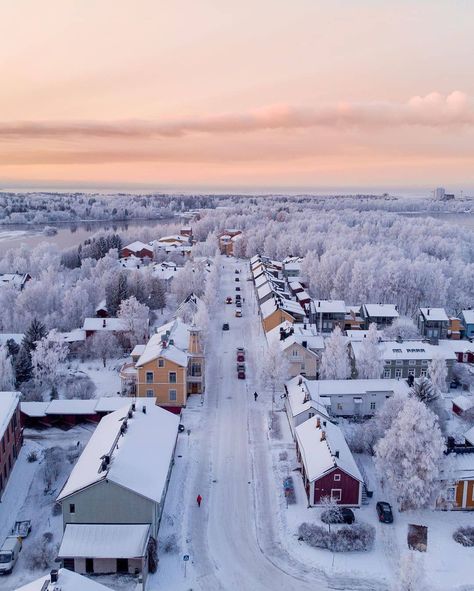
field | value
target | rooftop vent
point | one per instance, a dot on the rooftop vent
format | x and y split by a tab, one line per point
104	323
53	575
336	453
323	435
144	409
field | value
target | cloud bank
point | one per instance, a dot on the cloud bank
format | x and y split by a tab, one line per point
431	111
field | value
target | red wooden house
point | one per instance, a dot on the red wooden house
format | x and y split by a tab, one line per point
138	249
328	467
11	434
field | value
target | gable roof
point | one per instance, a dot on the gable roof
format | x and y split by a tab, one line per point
468	316
178	332
137	246
329	306
67	581
8	404
435	314
319	454
381	310
131	466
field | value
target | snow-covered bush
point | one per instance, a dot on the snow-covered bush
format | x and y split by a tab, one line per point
53	458
32	457
464	536
353	538
79	387
42	555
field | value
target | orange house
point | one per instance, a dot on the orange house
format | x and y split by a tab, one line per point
460	494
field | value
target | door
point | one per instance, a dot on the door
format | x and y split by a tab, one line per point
122	565
89	565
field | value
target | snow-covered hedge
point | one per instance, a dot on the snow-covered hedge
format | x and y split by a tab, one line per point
464	536
358	537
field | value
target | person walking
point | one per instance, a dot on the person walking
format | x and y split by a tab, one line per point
199	500
255	395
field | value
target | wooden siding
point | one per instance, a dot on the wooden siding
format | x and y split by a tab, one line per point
348	485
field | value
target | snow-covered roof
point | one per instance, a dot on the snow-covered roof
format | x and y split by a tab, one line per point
137	246
102	306
434	314
34	409
76	335
138	350
329	306
8	403
254	259
131	466
468	316
302	296
261	280
294	265
104	540
469	436
291	307
318	452
111	403
267	308
264	290
463	466
13	279
313	341
457	345
296	286
71	406
464	402
178	332
67	581
360	335
107	324
391	350
165	271
381	310
300	400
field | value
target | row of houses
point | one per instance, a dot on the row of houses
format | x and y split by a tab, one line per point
176	243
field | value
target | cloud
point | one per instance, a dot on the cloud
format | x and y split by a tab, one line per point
431	111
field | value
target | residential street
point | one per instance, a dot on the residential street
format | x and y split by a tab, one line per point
233	540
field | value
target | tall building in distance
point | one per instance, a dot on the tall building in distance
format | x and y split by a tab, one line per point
441	195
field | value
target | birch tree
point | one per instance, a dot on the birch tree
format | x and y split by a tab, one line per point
335	364
370	362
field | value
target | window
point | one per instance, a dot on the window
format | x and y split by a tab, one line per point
412	362
161	362
68	563
451	493
72	508
336	494
310	415
150	393
386	373
372	406
339	406
172	394
149	377
398	372
337	477
295	353
172	377
399	362
423	372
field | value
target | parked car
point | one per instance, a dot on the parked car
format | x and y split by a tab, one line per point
240	371
238	304
237	279
181	428
237	288
240	354
342	515
237	297
228	300
384	511
236	271
238	313
21	528
225	326
9	554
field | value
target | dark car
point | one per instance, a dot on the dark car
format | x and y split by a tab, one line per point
237	288
236	271
237	297
225	326
228	300
342	515
384	511
238	304
181	428
240	354
241	371
237	279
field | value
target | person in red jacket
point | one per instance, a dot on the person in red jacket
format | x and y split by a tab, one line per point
199	500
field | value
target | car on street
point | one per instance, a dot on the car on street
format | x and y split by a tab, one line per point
238	313
240	371
237	279
237	297
225	326
238	304
237	288
240	354
228	300
384	511
236	271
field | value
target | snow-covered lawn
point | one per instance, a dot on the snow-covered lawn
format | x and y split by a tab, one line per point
105	379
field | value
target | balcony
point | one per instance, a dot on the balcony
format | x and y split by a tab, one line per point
128	373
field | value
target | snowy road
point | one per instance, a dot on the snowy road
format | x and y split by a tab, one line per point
234	538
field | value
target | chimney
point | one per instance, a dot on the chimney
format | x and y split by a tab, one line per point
318	423
53	575
103	323
336	453
323	436
144	409
428	312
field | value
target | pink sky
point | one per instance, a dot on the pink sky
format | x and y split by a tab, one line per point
237	93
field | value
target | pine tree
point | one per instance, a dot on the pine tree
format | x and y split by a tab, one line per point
115	292
54	393
423	390
23	366
34	333
157	299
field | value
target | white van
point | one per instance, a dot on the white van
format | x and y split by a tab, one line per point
9	554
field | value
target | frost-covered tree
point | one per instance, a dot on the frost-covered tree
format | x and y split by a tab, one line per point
335	364
7	374
274	369
189	279
370	362
135	317
409	457
157	297
46	359
438	373
423	390
116	291
104	345
402	327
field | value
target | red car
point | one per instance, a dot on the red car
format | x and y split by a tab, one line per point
228	300
240	354
240	371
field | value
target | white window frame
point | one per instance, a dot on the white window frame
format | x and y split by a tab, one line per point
173	398
387	372
337	477
411	371
333	496
424	372
451	493
372	406
398	372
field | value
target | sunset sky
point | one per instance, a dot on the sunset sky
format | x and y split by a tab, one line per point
237	93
